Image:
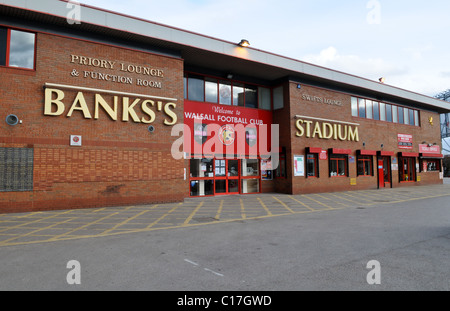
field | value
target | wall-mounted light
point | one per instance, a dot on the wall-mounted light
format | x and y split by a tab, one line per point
244	43
382	146
230	76
364	144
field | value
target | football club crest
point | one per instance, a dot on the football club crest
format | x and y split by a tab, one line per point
227	135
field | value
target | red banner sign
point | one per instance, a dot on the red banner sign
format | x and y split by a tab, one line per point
226	130
405	141
429	149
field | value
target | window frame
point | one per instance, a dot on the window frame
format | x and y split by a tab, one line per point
364	159
315	158
334	157
8	48
258	91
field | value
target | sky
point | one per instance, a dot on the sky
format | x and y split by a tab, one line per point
404	41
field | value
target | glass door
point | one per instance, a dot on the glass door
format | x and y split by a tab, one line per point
226	177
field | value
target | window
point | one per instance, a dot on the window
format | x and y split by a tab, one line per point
312	165
388	113
376	111
264	98
354	107
407	169
251	96
406	115
395	114
382	112
366	108
196	88
238	95
400	115
433	165
278	98
362	108
365	166
17	48
227	92
338	165
369	111
411	117
211	90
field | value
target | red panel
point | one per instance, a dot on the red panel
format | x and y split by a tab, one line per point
341	151
386	153
314	150
432	155
367	152
409	154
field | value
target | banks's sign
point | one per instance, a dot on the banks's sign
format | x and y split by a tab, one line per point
96	104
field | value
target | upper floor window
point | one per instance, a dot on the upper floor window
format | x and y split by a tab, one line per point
17	48
226	92
369	109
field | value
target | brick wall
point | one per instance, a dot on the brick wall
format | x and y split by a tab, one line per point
373	133
119	162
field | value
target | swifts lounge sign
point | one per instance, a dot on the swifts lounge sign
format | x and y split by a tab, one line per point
326	129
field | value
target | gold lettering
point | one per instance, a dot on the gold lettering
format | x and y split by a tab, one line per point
82	106
49	102
327	130
170	114
148	111
335	131
308	128
340	132
99	101
353	135
129	110
301	130
317	130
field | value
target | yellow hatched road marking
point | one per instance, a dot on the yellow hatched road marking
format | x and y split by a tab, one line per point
331	200
311	209
242	209
269	213
163	216
309	198
193	213
37	220
220	210
284	204
82	227
128	220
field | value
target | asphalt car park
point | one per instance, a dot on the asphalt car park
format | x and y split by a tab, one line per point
262	242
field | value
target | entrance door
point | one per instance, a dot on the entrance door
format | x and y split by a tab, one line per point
226	177
384	172
380	173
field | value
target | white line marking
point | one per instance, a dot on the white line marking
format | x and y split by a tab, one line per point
216	273
191	262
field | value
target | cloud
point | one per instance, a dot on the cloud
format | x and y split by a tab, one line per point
371	68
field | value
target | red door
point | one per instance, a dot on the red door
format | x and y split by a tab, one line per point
380	173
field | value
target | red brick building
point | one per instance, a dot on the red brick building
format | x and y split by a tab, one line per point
92	110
